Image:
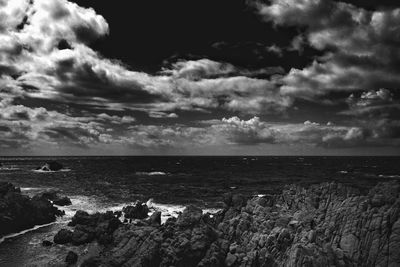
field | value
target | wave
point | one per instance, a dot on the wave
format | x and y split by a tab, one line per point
93	205
62	170
172	210
4	238
388	176
9	169
151	173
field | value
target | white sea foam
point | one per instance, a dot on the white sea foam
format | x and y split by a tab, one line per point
24	189
389	176
41	171
4	238
151	173
172	210
9	169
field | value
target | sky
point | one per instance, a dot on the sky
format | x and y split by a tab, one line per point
210	77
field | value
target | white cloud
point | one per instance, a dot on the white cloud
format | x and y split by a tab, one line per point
363	44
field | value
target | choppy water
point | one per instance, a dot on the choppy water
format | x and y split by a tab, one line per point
109	183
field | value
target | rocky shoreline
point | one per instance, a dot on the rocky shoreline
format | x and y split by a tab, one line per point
321	225
19	212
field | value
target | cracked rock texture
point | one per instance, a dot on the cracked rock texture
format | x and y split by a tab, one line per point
322	225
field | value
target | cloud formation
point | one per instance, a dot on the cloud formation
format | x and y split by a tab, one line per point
361	46
44	53
56	90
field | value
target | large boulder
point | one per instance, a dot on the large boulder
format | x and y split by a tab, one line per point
62	201
138	211
63	236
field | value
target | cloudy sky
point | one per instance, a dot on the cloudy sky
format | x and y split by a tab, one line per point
276	77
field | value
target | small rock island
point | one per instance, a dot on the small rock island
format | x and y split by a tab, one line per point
51	166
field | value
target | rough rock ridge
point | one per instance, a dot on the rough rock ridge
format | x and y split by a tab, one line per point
322	225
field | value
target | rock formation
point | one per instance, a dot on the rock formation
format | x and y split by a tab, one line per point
51	166
88	228
19	212
138	211
58	200
322	225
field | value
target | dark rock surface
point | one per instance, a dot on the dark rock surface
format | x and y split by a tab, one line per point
155	218
63	236
322	225
71	258
53	195
89	227
47	243
62	201
138	211
19	212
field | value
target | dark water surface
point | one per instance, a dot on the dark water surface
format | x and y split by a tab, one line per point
103	183
199	180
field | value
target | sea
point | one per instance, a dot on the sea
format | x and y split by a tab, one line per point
167	184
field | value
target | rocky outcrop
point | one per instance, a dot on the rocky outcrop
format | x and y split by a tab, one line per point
19	212
322	225
89	227
51	166
137	211
54	196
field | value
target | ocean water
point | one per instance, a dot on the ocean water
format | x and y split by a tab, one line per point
167	184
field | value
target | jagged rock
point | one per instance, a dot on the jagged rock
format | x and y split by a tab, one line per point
71	258
89	227
62	201
322	225
53	195
80	237
155	218
82	217
139	211
63	236
19	212
49	195
190	216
